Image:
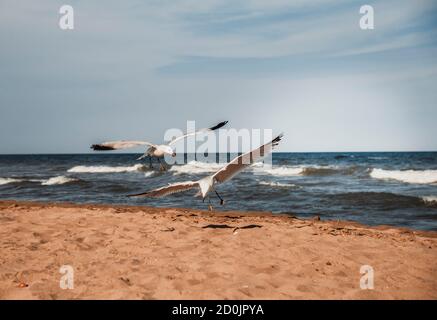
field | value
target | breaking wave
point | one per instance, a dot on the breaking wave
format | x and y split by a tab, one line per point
305	170
195	167
57	180
431	200
149	174
278	184
279	171
106	169
9	180
327	171
44	182
407	176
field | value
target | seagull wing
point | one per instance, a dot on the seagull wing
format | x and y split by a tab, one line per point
241	162
122	144
217	126
170	189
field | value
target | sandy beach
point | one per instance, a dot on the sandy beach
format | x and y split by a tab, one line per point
120	252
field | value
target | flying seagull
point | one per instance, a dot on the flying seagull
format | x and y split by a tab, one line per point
205	185
153	150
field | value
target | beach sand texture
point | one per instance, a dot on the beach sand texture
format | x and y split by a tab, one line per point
155	253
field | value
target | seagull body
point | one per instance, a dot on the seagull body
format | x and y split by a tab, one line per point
154	150
207	184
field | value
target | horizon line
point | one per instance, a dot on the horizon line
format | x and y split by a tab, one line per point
123	153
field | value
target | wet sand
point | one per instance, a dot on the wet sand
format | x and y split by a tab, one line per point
120	252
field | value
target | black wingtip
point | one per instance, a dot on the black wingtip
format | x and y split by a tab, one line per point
218	126
277	139
99	147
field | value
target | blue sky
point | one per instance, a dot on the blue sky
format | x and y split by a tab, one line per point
132	69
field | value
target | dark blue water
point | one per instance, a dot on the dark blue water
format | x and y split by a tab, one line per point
397	189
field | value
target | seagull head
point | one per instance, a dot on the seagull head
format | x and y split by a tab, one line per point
169	150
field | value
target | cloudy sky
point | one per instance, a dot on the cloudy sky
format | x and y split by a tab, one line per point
134	68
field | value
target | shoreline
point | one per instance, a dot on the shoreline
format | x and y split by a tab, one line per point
139	252
216	213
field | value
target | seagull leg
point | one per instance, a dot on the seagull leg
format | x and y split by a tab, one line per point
161	166
210	208
150	162
222	202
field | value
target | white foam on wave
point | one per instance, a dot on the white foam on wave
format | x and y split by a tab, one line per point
9	180
430	199
57	180
195	167
279	171
149	174
44	182
291	171
408	176
278	184
106	169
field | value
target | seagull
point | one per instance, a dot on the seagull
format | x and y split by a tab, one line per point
207	184
153	150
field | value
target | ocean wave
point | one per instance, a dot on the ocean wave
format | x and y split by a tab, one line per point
107	169
44	182
279	171
278	184
342	156
407	176
149	173
381	200
432	200
57	180
320	171
196	167
305	170
9	180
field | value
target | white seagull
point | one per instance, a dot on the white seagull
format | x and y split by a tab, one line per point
205	185
153	150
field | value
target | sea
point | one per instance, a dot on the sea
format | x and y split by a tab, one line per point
374	188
